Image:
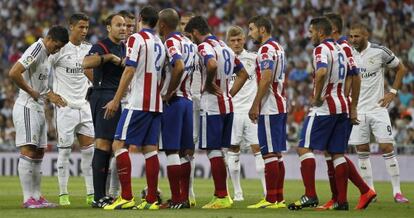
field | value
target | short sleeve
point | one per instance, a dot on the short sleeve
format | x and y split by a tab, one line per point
238	65
352	66
320	56
265	59
389	58
173	50
31	55
132	51
206	52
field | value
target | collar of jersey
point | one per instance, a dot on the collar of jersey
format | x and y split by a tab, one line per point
148	30
210	38
172	34
269	40
343	38
328	40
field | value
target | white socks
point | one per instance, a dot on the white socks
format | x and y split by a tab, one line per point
25	168
393	170
191	191
365	168
114	185
233	162
260	170
86	166
63	169
37	178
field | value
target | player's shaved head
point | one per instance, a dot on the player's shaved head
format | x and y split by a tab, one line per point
169	17
322	24
336	21
261	21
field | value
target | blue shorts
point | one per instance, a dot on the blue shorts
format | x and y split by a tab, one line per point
104	129
215	131
272	133
139	127
177	125
329	132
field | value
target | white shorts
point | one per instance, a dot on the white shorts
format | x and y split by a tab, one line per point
196	118
70	121
378	123
30	125
243	132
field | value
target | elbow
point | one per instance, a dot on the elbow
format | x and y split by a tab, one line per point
179	67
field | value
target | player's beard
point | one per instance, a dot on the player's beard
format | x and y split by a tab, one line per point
258	41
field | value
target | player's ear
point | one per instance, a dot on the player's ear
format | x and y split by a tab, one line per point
108	28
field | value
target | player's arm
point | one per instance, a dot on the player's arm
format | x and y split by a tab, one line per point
353	87
320	76
93	61
88	73
263	86
55	99
15	74
176	74
241	78
112	106
211	86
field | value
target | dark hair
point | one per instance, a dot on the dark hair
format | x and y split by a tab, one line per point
261	21
59	33
75	18
336	21
108	20
197	23
126	14
322	24
149	16
170	17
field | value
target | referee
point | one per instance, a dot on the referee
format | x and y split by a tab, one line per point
107	60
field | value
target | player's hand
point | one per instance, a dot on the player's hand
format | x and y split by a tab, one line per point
166	98
213	89
388	98
254	113
110	109
354	117
115	59
35	95
56	99
317	102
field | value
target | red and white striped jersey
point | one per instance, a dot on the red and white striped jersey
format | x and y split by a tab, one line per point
330	55
180	47
145	52
352	65
271	56
227	63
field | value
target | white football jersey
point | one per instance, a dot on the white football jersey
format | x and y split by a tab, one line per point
145	52
372	63
243	100
227	63
330	55
69	80
35	61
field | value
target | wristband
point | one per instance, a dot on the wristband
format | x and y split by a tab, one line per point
394	91
102	60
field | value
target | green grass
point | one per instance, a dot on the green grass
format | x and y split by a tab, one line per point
10	201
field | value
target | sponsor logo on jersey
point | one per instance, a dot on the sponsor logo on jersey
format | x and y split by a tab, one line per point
369	74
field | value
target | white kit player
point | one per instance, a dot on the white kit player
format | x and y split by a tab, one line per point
30	73
373	59
244	132
70	82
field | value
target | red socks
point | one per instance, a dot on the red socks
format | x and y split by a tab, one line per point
152	168
123	163
280	181
307	169
341	178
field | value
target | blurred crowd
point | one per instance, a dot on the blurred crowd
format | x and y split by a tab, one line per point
22	22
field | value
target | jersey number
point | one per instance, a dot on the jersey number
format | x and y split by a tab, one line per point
341	60
227	63
157	49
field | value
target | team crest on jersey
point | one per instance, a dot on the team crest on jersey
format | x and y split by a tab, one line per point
129	50
318	58
265	56
203	52
172	50
28	60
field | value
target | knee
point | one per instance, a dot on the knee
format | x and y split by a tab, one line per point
255	148
387	148
234	148
363	148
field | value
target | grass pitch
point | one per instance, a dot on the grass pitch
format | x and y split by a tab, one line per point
11	198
